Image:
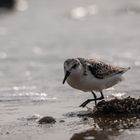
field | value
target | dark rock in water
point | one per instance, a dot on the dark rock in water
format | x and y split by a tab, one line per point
116	107
61	121
126	106
7	133
7	3
47	120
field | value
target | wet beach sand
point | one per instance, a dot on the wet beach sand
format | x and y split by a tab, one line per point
36	38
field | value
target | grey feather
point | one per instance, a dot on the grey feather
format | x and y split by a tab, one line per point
100	69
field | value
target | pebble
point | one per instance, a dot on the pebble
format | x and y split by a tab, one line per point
47	120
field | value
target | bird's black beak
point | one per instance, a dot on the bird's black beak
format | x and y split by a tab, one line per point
66	76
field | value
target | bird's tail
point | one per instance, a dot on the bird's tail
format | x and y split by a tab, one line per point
125	70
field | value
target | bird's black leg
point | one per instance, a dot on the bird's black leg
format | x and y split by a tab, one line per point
89	100
95	97
86	102
102	96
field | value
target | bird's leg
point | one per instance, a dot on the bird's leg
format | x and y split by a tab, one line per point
102	96
89	100
95	97
86	102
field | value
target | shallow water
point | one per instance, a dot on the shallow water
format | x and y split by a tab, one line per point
34	42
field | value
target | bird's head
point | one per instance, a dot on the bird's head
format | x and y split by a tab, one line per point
71	67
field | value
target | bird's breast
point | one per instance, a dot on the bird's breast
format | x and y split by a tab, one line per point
84	83
74	81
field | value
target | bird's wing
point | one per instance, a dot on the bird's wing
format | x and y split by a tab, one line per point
102	70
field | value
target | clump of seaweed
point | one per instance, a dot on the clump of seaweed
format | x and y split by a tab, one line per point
126	106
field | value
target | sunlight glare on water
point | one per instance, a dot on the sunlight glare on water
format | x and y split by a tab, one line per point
83	12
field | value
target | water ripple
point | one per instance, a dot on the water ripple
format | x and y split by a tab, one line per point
17	88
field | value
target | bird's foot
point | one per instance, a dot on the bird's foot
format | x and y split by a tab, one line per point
86	102
83	105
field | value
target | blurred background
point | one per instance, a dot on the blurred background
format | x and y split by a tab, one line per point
37	36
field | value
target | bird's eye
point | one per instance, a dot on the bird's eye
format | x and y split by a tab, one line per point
74	66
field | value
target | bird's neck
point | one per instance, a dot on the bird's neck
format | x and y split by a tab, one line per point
77	74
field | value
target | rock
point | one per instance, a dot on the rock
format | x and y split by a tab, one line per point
47	120
61	121
116	107
7	133
126	106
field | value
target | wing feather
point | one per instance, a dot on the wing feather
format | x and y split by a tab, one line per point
102	70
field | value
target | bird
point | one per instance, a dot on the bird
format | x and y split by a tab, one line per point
91	75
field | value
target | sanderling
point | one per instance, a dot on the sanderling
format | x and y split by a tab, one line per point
91	75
